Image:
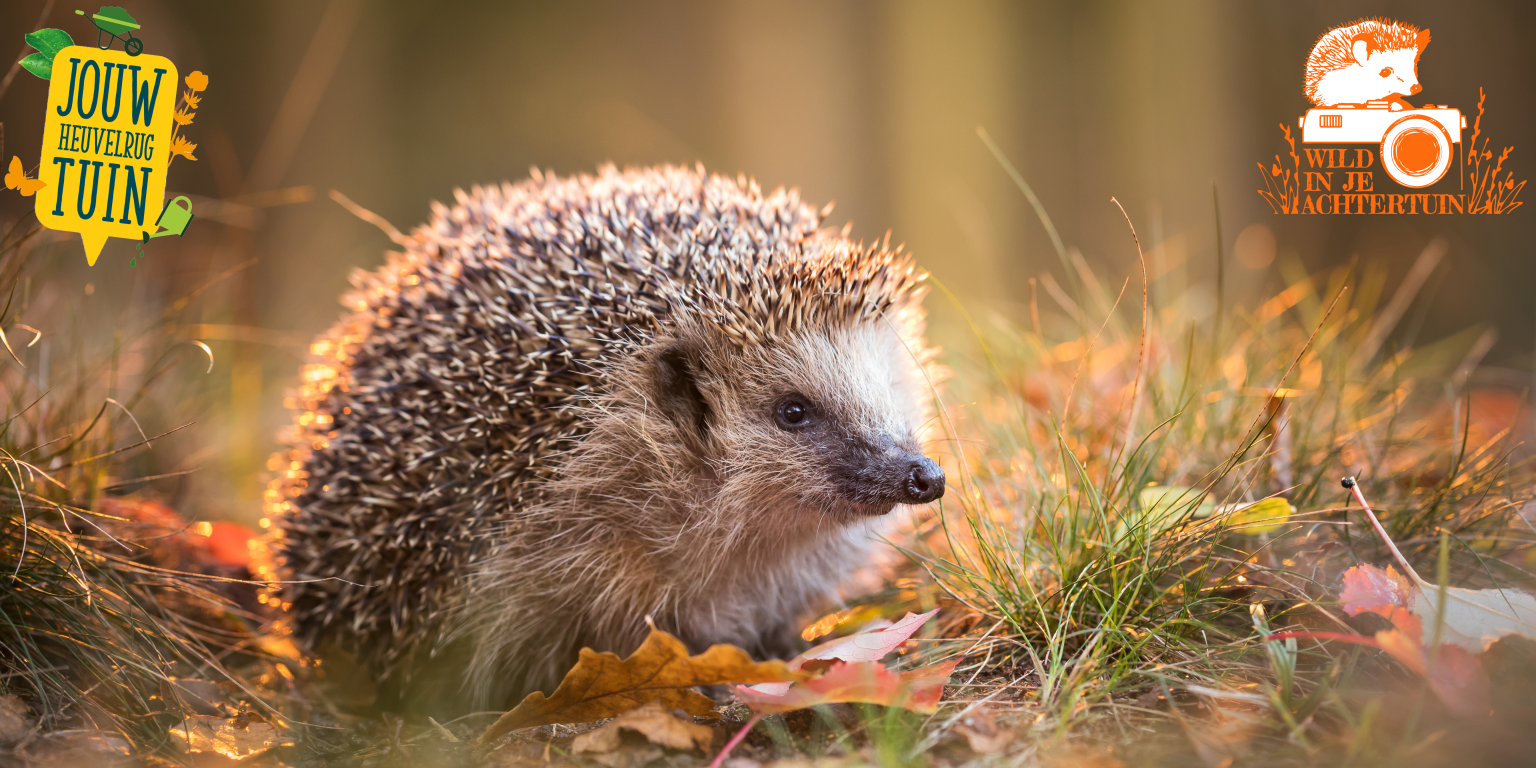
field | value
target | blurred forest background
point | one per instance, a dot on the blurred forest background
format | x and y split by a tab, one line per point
873	104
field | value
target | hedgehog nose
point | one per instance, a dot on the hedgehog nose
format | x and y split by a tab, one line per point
925	482
1415	89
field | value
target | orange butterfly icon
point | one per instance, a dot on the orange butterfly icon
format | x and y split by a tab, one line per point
17	179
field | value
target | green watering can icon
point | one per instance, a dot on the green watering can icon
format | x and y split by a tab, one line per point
173	221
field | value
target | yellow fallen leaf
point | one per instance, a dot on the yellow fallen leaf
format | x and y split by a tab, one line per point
202	733
842	622
652	721
1261	516
601	685
1159	507
282	647
1160	501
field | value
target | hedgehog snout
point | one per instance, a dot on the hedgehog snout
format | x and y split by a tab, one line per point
925	481
883	473
901	476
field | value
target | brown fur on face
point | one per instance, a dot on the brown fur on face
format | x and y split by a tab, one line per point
724	536
555	414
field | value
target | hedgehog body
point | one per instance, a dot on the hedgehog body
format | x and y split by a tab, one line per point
573	403
1369	60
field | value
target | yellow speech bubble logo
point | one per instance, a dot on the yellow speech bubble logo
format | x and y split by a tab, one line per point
106	144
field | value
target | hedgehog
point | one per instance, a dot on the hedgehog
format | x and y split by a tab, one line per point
574	405
1369	60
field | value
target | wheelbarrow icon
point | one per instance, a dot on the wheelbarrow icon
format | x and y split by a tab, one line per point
113	21
173	220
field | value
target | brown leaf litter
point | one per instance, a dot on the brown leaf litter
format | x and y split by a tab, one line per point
660	670
653	722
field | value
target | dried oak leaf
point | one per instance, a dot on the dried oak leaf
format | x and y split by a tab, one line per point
601	685
865	682
652	721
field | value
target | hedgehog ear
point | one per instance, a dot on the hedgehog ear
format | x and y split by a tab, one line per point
1422	40
677	373
1361	50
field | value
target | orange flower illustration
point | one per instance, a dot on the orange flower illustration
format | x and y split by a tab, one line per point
185	112
180	146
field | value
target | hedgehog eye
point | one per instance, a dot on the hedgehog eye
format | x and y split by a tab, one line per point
793	413
1386	71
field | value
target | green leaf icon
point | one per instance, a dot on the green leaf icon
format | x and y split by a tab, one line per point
48	43
39	65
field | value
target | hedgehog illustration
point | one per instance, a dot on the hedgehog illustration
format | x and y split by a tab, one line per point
1369	60
572	403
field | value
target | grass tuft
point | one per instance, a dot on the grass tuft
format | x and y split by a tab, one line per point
95	632
1103	529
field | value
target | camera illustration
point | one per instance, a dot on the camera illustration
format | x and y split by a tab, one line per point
1415	143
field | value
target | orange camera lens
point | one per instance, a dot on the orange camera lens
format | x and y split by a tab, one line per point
1416	151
